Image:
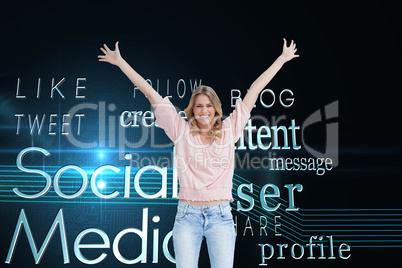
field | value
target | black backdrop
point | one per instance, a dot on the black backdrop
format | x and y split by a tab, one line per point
349	53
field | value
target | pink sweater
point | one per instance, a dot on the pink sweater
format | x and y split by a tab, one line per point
205	171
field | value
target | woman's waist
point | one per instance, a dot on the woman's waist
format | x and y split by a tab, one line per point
203	203
203	207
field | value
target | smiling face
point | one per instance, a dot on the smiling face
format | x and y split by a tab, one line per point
203	110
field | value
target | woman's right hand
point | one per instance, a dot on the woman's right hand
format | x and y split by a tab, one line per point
114	57
111	56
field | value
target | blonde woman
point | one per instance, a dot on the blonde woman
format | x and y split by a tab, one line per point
204	146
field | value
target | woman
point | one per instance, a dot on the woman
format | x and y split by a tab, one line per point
205	160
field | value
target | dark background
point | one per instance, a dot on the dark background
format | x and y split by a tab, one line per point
349	52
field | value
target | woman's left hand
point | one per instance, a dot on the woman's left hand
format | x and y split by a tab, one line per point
288	53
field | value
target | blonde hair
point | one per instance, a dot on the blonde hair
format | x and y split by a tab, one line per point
216	130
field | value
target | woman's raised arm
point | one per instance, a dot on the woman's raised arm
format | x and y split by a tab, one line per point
288	53
114	57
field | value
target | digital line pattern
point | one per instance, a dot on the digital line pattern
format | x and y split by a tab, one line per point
377	227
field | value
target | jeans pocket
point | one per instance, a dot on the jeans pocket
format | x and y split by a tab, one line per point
227	216
180	215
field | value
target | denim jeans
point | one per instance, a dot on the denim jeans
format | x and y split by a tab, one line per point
193	223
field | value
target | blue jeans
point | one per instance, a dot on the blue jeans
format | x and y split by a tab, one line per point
193	223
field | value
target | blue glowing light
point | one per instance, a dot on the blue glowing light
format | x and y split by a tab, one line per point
101	185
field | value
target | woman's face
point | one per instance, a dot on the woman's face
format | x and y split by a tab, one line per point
203	110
